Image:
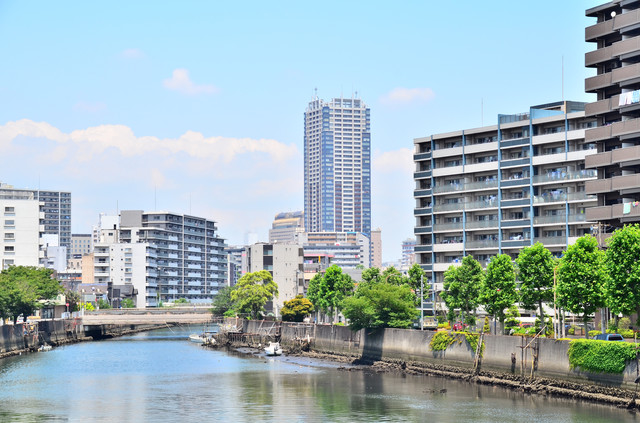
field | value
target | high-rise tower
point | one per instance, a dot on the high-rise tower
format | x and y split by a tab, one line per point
337	166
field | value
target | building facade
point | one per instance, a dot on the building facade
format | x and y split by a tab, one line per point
22	228
337	166
56	207
285	263
376	248
81	244
408	257
285	226
496	189
347	250
617	111
164	256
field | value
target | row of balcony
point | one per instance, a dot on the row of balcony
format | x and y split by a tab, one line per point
617	183
621	76
618	23
614	51
488	224
617	156
623	212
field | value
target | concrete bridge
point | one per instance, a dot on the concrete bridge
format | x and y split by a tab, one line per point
159	316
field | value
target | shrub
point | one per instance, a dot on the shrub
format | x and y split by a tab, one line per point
600	356
593	333
441	341
572	330
627	333
624	323
486	328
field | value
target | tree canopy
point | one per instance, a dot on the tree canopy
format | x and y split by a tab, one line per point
252	292
222	301
22	288
581	277
462	287
498	291
296	309
535	273
327	291
623	266
380	305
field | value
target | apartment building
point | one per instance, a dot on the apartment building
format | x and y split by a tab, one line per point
347	250
284	262
616	59
498	188
165	256
22	227
337	166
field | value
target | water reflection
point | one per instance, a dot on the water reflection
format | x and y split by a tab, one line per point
160	376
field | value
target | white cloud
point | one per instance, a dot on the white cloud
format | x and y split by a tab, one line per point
401	96
181	83
132	53
93	141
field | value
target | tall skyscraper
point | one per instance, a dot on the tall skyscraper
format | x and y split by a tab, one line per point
337	166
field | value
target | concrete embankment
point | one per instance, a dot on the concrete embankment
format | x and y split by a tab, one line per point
540	365
27	337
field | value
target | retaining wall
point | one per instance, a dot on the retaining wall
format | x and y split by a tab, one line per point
506	354
29	336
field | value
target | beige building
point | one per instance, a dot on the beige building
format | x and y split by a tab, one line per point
285	227
376	248
498	188
617	112
284	262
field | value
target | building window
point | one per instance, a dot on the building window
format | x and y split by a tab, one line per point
9	248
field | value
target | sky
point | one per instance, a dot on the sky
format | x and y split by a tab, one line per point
197	107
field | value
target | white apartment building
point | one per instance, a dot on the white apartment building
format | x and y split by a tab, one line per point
22	228
496	189
344	249
165	256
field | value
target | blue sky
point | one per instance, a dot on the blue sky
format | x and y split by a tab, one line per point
197	107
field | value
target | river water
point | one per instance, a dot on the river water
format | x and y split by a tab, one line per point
159	376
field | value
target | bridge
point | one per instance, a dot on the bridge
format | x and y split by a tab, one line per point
161	316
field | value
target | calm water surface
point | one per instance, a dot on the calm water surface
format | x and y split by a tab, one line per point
160	376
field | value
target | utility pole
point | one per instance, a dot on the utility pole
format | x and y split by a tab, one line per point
422	301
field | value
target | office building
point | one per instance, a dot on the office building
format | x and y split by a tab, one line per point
81	244
616	110
337	166
498	188
285	226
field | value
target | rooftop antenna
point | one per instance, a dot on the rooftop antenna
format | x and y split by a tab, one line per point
563	77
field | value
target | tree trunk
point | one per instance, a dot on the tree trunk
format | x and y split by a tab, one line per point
586	331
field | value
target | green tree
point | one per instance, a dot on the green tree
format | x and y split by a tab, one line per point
417	281
327	291
581	277
535	273
253	291
393	276
103	304
380	305
22	289
371	276
297	309
222	301
623	266
126	303
73	299
181	301
462	286
499	288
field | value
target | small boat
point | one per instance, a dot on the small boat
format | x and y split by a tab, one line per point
45	347
197	338
273	348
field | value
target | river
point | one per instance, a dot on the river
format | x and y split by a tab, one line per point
159	376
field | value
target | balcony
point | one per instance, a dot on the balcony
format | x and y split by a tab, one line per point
515	182
422	156
515	162
422	193
447	227
599	213
597	186
514	142
626	154
552	240
563	176
422	174
598	160
422	230
626	74
602	107
626	183
516	202
422	211
598	30
515	243
482	224
482	244
594	83
448	207
482	204
549	220
630	18
518	223
624	47
446	247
